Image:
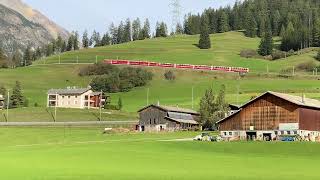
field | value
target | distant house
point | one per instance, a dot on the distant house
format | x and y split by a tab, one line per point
273	114
81	98
1	102
165	118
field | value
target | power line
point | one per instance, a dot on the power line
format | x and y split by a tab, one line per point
176	13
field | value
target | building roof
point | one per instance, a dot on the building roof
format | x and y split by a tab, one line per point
69	91
171	109
182	120
297	100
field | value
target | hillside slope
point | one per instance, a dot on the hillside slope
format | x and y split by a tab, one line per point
225	51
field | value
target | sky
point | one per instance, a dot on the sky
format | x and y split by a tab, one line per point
97	15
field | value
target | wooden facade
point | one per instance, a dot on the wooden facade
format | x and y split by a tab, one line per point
268	111
156	118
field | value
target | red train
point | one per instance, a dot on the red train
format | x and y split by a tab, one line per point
178	66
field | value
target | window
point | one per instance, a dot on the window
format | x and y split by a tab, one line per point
230	133
295	132
225	133
150	121
69	97
63	97
288	132
76	96
282	132
75	102
276	133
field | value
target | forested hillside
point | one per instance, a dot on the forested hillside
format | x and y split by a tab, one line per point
296	21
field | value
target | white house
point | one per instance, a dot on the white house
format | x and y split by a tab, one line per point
80	98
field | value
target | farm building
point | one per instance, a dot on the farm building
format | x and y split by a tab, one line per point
1	102
80	98
165	118
273	114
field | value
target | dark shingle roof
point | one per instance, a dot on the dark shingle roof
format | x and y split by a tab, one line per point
171	109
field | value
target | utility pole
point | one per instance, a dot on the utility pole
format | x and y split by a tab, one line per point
192	97
55	109
176	13
96	59
148	96
8	102
100	114
293	73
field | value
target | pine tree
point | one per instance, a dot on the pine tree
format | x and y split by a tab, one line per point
266	44
204	42
17	99
38	53
207	107
76	41
95	39
64	46
318	56
114	34
146	29
250	25
136	29
316	33
179	29
70	43
223	24
85	39
59	44
105	41
127	31
3	59
276	18
120	33
27	57
262	26
120	105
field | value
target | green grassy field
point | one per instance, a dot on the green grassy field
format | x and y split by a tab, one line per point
67	154
39	78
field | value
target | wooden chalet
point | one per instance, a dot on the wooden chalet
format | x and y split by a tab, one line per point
273	114
165	118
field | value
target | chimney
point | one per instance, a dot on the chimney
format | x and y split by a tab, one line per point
303	100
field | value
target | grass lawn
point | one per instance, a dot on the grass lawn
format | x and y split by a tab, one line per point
40	114
67	154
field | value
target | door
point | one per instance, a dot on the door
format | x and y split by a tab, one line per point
251	135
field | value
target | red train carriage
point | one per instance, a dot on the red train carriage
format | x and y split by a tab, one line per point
166	65
178	66
184	66
202	67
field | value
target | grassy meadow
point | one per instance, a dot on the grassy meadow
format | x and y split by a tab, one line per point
46	74
78	153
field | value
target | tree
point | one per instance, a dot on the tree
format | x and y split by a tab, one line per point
95	39
276	18
76	41
105	41
70	43
120	105
179	29
212	108
316	33
114	34
27	57
318	56
17	99
120	33
3	59
161	30
223	24
204	42
250	25
169	75
85	39
127	31
145	32
136	29
64	46
16	59
59	44
266	44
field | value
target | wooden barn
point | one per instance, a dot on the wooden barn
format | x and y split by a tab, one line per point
273	114
165	118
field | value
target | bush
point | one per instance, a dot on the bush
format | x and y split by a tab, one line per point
36	104
276	54
111	107
117	80
318	56
249	53
169	75
306	66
